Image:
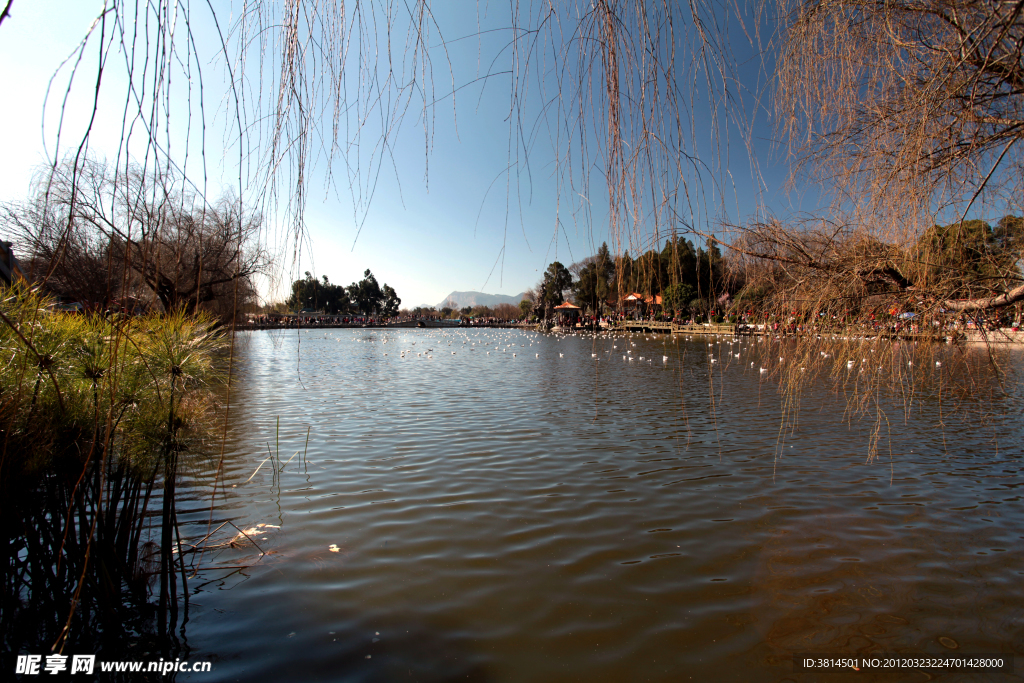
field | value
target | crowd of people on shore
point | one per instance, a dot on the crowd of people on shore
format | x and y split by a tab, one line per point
317	320
292	320
902	324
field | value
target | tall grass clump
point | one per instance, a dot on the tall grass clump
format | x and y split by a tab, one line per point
99	417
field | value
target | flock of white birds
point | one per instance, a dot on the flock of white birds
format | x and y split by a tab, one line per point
607	346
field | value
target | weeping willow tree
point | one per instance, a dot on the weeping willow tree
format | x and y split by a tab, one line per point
905	117
910	115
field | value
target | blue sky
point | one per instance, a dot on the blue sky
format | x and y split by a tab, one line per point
467	226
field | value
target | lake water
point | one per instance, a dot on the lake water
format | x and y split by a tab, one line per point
556	516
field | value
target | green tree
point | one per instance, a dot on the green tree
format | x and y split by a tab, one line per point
366	294
557	281
1009	236
319	295
594	276
303	293
526	306
623	284
390	302
677	297
650	273
585	287
604	272
710	271
971	259
701	306
684	262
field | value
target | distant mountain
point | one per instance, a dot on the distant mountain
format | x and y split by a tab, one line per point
463	299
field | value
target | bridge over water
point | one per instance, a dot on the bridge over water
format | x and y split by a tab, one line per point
675	328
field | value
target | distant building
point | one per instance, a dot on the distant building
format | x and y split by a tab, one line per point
9	269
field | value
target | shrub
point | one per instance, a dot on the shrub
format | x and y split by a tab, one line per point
97	414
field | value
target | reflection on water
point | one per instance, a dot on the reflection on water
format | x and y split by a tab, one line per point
568	514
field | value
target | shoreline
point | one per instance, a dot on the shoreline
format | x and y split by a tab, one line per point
1001	336
413	324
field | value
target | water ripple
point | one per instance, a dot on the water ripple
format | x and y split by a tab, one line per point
556	516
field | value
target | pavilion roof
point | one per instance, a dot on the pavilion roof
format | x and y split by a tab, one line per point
646	298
